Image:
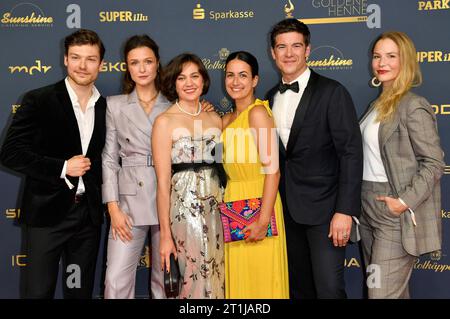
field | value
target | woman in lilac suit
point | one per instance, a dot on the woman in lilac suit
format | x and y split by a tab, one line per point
129	182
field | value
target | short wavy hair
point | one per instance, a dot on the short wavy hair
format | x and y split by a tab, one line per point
82	37
289	25
174	68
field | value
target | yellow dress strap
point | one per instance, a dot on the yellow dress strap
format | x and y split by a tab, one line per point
265	103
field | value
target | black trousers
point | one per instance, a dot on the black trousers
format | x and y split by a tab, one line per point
75	240
316	267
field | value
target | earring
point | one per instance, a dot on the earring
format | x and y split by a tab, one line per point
375	82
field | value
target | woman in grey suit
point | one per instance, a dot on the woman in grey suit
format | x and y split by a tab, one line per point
403	163
129	182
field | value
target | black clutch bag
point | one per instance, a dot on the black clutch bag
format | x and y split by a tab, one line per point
172	279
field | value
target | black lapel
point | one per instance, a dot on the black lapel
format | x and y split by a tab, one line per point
301	111
99	123
66	104
270	96
282	149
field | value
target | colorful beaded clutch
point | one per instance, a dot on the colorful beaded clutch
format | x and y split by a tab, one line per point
239	214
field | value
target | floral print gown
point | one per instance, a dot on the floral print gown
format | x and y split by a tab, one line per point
195	220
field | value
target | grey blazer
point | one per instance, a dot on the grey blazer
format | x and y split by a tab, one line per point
414	163
128	175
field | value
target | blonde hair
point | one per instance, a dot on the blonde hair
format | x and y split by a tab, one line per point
408	77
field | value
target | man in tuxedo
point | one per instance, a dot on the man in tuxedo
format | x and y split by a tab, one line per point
320	164
56	140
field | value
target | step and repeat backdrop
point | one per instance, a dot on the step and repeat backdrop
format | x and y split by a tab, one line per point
31	56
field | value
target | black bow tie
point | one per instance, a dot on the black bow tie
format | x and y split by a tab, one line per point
284	86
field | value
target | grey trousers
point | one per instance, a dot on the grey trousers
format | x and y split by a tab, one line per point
122	261
389	265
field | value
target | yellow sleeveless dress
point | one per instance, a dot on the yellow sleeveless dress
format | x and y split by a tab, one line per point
252	270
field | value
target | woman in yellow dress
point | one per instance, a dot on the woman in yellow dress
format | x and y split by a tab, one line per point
257	266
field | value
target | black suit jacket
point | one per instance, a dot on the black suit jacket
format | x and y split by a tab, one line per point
321	167
43	134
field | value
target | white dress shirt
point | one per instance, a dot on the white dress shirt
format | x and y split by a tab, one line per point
285	105
374	170
85	122
373	165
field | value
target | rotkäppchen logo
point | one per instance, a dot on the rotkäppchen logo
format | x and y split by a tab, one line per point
216	61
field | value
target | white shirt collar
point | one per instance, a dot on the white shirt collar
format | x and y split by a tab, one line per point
74	98
302	79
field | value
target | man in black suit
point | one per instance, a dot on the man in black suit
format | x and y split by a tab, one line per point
320	164
56	139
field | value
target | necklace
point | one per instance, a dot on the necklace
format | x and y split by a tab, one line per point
189	113
146	102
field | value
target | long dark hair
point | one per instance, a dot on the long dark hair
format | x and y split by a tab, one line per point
138	41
